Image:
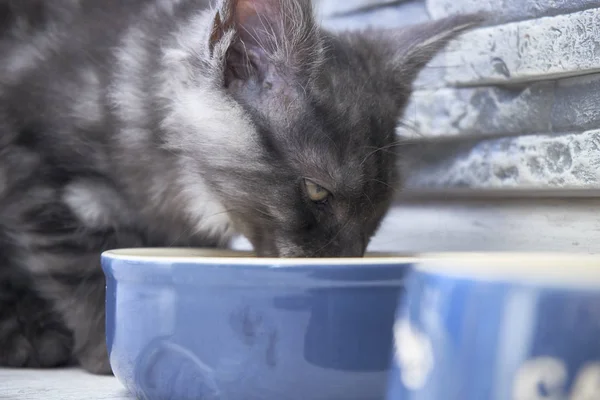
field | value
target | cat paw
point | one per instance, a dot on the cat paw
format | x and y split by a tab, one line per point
94	360
37	347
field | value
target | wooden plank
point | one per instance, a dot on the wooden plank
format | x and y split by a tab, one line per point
566	161
329	8
549	106
392	16
525	51
509	10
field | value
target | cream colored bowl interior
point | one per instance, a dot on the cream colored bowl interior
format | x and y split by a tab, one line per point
214	256
560	269
553	268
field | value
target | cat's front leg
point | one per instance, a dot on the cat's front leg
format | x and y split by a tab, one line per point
79	297
84	313
88	322
89	217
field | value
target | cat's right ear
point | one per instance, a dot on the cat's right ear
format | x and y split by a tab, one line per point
222	24
265	33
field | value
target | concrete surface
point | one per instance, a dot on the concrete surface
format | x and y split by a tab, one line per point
58	384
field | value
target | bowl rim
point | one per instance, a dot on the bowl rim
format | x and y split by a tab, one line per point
247	258
546	267
555	268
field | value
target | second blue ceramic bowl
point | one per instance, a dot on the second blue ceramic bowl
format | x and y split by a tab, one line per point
499	327
210	325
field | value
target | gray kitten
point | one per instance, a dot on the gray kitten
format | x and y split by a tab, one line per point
174	123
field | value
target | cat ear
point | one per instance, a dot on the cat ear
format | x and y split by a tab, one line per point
415	46
266	32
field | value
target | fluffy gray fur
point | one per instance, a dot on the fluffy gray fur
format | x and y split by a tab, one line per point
177	123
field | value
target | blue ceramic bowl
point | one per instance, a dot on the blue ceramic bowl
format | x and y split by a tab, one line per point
499	327
210	325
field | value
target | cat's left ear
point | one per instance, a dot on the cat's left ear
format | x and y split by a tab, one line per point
266	33
413	47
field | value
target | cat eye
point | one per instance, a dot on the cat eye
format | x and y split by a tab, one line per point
316	192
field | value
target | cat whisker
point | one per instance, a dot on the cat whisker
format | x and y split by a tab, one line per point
385	184
370	201
264	214
410	127
444	66
399	143
174	241
316	252
268	216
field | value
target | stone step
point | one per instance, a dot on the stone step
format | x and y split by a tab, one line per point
391	16
532	50
564	105
508	10
523	162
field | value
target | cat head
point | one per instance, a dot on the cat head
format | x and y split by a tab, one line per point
300	141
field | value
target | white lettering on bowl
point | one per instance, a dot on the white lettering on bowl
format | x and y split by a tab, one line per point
545	378
414	355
